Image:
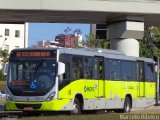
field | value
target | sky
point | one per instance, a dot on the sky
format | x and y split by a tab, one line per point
48	31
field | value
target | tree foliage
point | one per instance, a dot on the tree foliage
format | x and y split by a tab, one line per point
150	45
4	55
4	58
2	77
76	45
92	42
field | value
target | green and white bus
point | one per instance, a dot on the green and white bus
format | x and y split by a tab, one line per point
76	80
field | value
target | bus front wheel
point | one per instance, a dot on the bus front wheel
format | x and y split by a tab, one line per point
77	107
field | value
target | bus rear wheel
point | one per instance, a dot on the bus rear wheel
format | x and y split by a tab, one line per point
77	107
127	105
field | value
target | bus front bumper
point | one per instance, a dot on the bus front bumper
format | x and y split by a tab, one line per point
53	105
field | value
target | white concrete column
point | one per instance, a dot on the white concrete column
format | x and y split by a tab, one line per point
93	28
25	35
124	34
129	46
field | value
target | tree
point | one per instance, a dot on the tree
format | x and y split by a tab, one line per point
67	30
4	58
150	45
92	42
77	31
75	45
4	55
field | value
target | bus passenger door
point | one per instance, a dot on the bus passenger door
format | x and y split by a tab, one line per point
99	76
141	79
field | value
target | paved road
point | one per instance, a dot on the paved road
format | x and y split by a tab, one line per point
132	110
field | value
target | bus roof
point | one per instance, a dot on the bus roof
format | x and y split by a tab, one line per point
113	54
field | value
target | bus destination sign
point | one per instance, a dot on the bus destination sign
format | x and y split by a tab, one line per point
33	54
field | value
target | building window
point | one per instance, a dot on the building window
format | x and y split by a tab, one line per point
17	33
6	32
16	46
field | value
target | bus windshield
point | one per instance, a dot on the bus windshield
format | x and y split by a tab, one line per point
31	77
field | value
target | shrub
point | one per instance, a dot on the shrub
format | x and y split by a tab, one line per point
2	77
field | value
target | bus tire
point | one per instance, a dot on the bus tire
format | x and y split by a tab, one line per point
127	105
77	107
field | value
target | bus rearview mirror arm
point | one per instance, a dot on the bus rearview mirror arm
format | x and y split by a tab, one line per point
5	68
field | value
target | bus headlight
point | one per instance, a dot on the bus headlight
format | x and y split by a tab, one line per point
51	96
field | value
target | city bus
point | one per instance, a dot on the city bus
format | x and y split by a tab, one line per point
78	80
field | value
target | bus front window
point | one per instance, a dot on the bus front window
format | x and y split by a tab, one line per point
33	77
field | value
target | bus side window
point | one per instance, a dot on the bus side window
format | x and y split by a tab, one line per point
126	70
134	74
66	75
113	69
75	73
149	72
88	67
65	80
140	71
77	67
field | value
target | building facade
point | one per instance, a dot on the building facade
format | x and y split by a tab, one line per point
13	36
61	40
65	40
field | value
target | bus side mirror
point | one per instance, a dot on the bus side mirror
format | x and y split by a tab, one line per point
5	68
61	68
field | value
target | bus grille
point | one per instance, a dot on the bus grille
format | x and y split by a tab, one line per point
22	106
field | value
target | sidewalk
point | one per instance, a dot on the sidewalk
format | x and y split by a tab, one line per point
151	108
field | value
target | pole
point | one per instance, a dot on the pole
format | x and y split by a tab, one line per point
4	42
25	35
157	90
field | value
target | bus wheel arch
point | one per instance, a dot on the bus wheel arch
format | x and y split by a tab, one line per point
77	104
127	103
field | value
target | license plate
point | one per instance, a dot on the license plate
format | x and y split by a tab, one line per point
28	108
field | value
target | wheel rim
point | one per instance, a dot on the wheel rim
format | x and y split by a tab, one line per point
127	106
75	106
